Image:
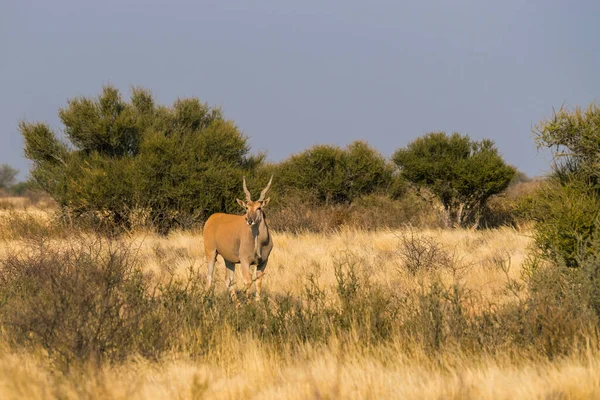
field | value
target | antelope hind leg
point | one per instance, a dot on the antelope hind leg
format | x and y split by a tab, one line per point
211	258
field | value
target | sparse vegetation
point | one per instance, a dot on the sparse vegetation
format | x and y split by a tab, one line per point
107	297
84	304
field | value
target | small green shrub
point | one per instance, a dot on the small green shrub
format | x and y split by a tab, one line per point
566	218
559	311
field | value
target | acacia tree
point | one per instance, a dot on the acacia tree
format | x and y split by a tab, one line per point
171	165
461	173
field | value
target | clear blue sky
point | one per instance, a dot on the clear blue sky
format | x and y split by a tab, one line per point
292	74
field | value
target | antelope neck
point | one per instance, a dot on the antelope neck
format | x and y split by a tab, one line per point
260	229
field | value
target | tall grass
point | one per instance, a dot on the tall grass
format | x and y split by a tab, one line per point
360	314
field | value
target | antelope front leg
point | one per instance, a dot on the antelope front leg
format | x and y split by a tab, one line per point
230	281
260	270
247	276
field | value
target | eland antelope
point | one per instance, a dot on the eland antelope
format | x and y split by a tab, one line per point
240	239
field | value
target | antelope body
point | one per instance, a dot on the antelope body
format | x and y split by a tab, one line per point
240	239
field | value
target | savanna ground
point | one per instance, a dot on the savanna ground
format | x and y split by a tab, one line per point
408	313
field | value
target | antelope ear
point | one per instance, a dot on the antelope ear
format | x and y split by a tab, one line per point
241	203
265	202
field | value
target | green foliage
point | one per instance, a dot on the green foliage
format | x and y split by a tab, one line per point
173	165
567	209
573	136
566	218
462	174
331	175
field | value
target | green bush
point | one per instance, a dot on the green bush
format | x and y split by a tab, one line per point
331	175
462	174
566	217
567	208
176	165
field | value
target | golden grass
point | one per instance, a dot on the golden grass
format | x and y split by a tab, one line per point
240	366
481	257
317	373
34	201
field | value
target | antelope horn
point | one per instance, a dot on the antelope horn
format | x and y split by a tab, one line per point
248	195
265	190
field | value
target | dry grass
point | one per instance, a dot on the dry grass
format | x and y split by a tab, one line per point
480	257
242	365
33	200
254	372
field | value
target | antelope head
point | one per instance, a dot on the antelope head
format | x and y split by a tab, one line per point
254	209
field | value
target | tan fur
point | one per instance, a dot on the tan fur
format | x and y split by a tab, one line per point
240	239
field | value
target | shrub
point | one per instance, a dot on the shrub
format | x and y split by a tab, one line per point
331	175
87	301
371	212
421	252
178	164
566	218
566	209
511	208
560	308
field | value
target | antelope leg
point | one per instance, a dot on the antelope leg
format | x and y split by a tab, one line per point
210	259
260	270
247	275
230	279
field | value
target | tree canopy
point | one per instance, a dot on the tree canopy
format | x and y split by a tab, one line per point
171	166
334	175
463	174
